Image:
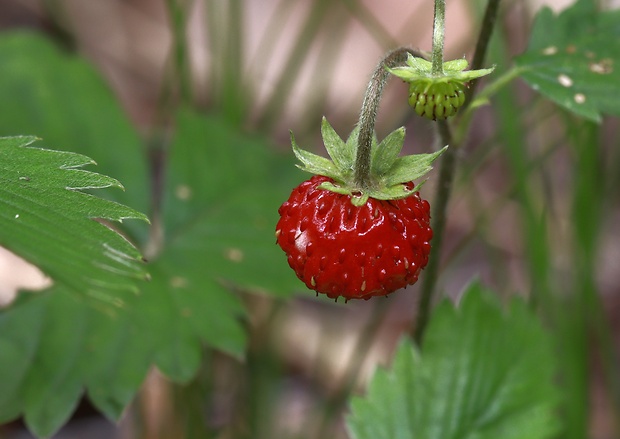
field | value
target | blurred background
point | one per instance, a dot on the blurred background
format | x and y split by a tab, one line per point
271	66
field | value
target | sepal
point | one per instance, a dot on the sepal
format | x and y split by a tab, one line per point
436	95
419	68
389	172
342	154
386	153
411	167
315	164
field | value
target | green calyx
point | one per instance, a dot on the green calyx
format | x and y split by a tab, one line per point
388	172
436	96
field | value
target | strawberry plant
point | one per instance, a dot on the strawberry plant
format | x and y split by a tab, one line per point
489	282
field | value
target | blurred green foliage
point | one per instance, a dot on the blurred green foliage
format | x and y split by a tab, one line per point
222	192
212	191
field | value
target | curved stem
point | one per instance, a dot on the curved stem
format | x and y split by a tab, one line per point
439	26
368	114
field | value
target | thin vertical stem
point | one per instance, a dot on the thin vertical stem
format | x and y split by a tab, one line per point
448	164
175	89
440	208
236	92
178	13
488	24
439	26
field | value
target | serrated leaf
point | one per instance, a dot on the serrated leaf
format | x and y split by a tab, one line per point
387	152
573	59
56	358
229	213
62	99
224	192
47	220
411	167
483	373
221	211
201	312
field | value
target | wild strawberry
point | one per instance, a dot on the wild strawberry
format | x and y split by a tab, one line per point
356	240
436	96
341	249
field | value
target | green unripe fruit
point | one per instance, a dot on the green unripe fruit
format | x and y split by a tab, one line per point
436	100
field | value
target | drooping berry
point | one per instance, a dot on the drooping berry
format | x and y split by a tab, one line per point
342	239
340	249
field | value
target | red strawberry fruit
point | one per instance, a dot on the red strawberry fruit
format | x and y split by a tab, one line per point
356	240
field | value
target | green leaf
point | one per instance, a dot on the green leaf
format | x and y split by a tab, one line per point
62	99
573	59
230	211
45	218
57	357
482	373
223	194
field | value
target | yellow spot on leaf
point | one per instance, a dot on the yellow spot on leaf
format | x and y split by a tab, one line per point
565	80
234	254
178	282
580	98
603	67
183	192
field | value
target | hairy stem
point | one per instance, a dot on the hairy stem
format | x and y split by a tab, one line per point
439	31
368	114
